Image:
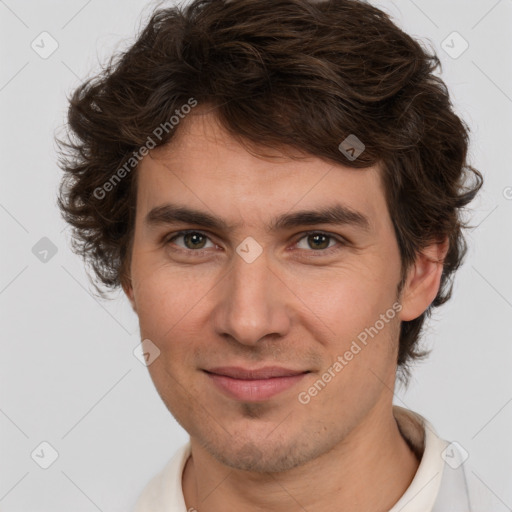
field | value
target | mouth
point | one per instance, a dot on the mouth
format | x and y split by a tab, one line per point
254	385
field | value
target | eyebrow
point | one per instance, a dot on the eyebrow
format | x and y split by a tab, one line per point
336	214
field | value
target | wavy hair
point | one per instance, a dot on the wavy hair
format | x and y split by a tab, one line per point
279	73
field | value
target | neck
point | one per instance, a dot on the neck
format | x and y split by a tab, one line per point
370	470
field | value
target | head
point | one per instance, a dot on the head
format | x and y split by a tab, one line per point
245	111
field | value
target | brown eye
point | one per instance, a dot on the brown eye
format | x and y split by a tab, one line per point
317	241
192	240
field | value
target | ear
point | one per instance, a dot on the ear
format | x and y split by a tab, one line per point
128	290
423	280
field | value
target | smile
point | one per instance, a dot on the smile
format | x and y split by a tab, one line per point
254	385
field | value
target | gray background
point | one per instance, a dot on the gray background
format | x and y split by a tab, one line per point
68	373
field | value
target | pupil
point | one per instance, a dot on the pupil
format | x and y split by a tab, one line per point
194	238
316	239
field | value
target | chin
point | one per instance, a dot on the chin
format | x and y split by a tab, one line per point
264	455
257	459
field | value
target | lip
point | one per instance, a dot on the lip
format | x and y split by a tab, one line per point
267	372
254	385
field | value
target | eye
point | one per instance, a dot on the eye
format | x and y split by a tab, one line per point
318	241
192	240
196	243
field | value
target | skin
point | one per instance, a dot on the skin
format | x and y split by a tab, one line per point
289	308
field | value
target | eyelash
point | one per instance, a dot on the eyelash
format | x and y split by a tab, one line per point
321	252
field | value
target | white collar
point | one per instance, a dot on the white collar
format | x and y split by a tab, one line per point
164	492
424	441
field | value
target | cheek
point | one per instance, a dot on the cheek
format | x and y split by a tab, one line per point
346	301
360	368
359	310
173	313
168	306
166	296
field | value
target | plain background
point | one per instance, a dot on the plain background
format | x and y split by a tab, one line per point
67	369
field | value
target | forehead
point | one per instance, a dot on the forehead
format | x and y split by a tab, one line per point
205	167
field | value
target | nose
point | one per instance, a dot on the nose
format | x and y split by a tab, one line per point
253	302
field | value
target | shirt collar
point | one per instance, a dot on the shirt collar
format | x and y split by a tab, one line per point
165	492
428	447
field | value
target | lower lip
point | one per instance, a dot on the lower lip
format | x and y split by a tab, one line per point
254	390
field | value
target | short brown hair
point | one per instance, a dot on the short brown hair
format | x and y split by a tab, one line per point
279	73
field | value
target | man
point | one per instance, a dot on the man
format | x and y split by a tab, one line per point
277	186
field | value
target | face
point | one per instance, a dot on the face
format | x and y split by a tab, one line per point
264	287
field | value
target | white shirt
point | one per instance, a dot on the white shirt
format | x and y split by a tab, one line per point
439	485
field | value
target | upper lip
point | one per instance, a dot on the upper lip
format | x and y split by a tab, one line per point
267	372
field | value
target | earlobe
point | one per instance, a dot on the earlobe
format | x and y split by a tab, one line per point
128	290
423	280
